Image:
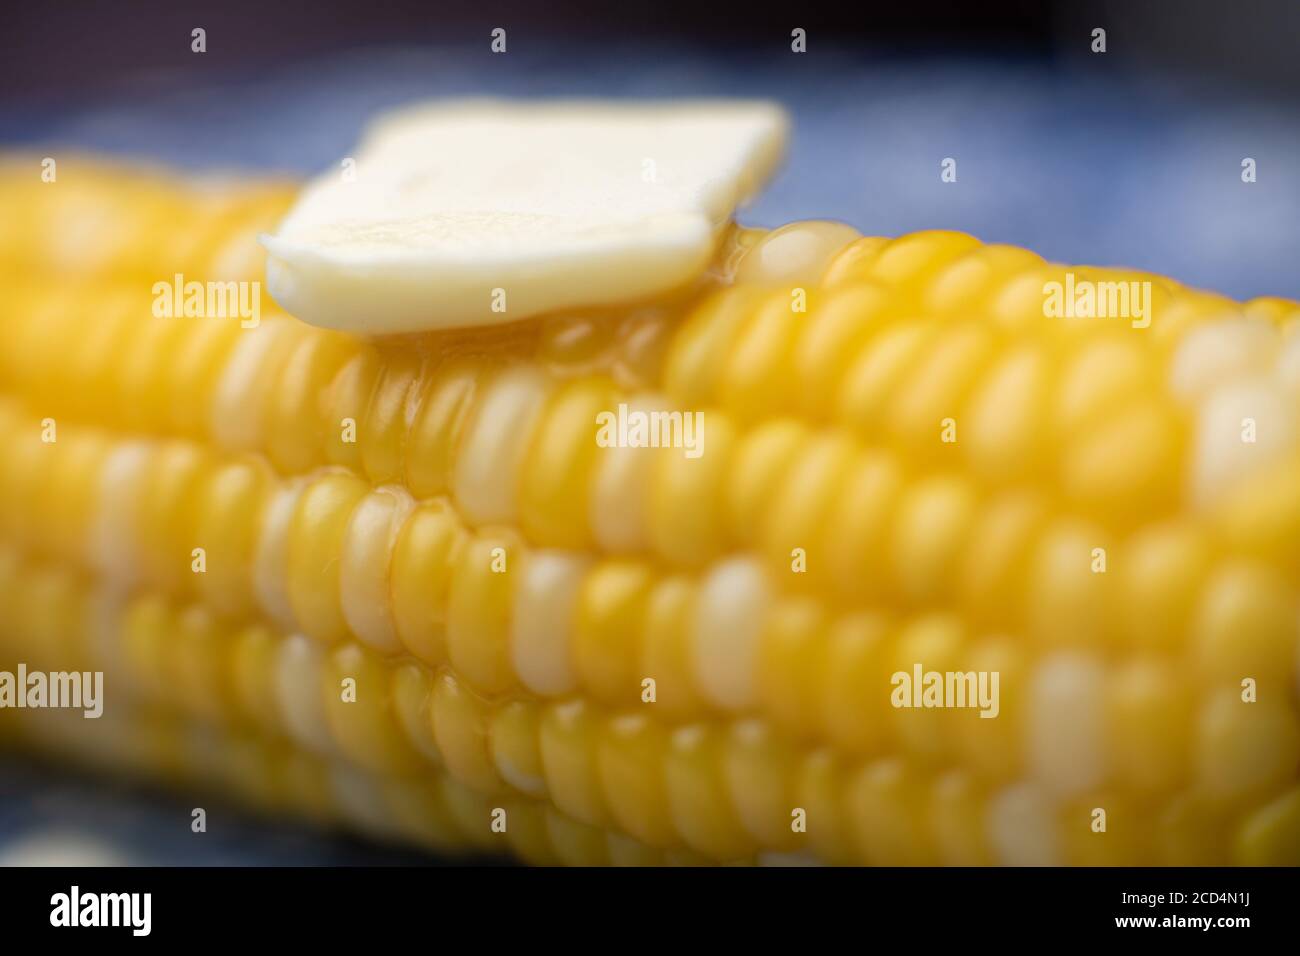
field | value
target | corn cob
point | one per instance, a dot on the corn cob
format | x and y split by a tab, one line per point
918	469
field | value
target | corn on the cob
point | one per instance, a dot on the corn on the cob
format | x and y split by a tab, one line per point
589	654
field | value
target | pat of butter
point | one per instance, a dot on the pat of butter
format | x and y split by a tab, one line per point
479	212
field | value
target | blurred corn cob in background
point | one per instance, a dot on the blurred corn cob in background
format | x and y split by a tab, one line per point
919	469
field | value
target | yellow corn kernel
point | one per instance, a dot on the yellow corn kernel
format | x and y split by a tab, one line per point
139	383
611	605
993	748
935	387
296	433
486	476
836	329
1261	514
1067	595
299	678
1001	429
1243	748
624	851
194	661
420	811
382	434
228	519
145	630
516	746
315	549
698	794
445	399
968	281
197	362
726	631
794	253
760	768
167	533
427	550
1271	835
1190	831
930	530
703	345
1161	570
1150	710
791	666
74	486
553	495
570	738
527	831
576	843
543	648
343	407
630	757
798	510
479	610
412	696
762	457
238	414
665	649
933	644
758	378
855	702
360	711
462	728
1124	841
473	814
252	676
365	569
686	512
907	261
1127	465
852	264
874	373
1245	627
958	808
888	808
819	789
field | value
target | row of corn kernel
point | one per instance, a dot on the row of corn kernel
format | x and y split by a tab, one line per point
278	687
435	812
1098	419
84	218
730	353
716	358
514	448
328	554
713	645
884	812
97	353
595	766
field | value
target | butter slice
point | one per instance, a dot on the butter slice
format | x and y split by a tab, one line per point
477	212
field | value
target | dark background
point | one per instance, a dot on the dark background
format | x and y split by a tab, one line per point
1128	158
88	48
84	48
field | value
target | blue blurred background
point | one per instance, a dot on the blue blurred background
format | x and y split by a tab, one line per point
1131	157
